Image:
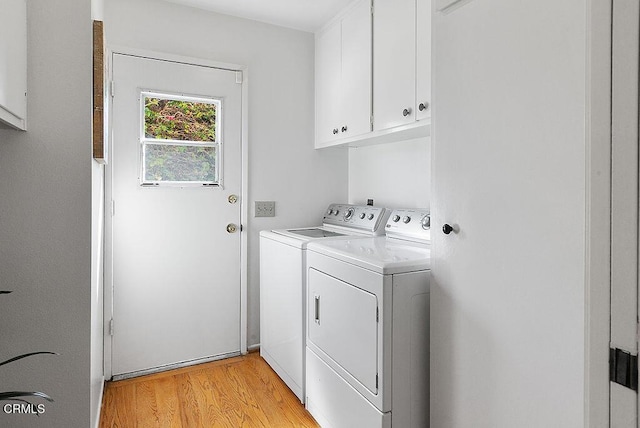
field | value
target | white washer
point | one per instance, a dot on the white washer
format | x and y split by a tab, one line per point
282	286
367	358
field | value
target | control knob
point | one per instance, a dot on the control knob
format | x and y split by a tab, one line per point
426	222
406	219
362	216
349	214
336	212
396	218
370	216
329	211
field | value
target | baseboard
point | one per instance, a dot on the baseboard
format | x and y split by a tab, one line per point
253	348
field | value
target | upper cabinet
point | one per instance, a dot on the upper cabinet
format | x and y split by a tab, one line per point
423	59
343	76
394	63
389	53
401	62
13	63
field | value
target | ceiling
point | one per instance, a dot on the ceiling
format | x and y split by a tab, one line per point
305	15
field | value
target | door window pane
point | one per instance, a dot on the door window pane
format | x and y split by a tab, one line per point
180	139
179	163
180	120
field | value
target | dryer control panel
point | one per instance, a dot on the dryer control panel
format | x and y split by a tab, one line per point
409	224
364	218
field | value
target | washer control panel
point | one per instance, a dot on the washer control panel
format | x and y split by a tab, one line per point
361	217
410	224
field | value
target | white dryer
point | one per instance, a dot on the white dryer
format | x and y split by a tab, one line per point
367	359
282	284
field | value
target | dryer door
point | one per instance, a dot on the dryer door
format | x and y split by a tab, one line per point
342	323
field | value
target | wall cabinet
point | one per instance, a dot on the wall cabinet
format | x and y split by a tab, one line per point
373	74
13	64
423	59
343	76
402	62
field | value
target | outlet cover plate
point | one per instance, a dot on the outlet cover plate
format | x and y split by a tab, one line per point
265	209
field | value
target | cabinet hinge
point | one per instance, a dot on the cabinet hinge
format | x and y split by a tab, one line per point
623	368
371	120
111	327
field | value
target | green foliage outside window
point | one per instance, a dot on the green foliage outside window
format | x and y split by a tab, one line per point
180	121
179	163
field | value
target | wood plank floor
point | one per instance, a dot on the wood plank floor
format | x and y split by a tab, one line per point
236	392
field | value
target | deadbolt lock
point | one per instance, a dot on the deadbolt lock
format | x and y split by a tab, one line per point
232	199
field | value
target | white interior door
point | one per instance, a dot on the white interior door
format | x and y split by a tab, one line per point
176	264
507	290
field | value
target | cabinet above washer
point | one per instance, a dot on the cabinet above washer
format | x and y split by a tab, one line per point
376	87
343	76
13	64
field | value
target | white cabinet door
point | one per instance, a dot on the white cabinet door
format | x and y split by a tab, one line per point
13	63
328	72
394	63
356	71
423	59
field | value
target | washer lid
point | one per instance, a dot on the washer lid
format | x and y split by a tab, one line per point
314	232
382	255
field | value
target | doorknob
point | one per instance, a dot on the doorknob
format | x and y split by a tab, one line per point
232	199
447	229
232	228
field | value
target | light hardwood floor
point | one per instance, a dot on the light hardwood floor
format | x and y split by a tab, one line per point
236	392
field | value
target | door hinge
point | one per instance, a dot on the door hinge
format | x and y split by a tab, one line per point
239	77
376	380
372	8
111	327
377	314
623	368
112	89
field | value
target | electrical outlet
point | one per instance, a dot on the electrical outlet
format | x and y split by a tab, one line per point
265	209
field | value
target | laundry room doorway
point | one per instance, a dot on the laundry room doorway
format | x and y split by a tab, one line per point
174	244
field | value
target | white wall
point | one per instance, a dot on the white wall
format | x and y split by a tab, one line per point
283	166
45	221
395	175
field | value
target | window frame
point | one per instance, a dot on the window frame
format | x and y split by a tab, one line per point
217	145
